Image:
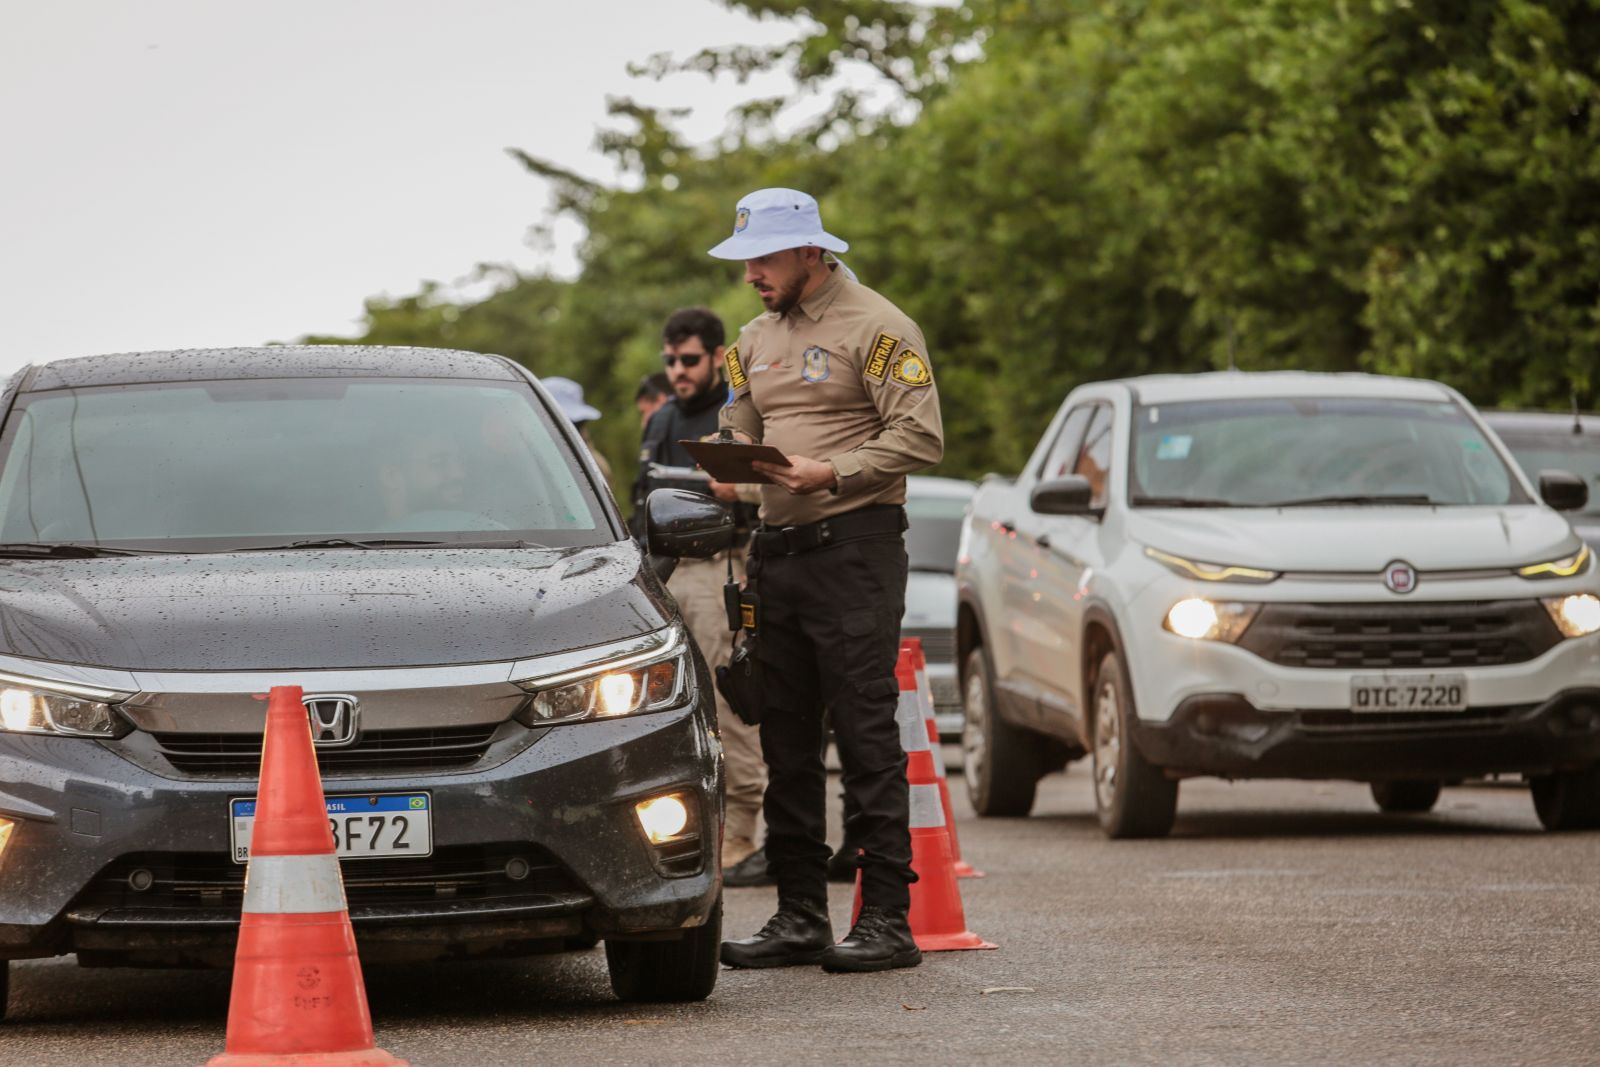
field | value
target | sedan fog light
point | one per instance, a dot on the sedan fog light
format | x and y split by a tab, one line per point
1577	615
1200	619
662	818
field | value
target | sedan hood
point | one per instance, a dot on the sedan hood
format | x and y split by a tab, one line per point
335	609
1357	539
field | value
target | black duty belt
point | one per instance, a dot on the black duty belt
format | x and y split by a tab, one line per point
879	520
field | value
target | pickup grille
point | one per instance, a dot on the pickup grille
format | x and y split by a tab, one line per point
204	881
1390	636
938	646
376	752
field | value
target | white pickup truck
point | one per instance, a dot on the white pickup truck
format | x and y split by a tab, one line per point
1277	575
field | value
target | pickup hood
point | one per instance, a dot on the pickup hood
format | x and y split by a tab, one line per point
345	608
1358	539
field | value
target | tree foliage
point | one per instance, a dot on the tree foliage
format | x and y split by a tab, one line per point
1095	188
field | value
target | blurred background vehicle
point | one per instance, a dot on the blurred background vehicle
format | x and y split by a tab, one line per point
1553	440
936	508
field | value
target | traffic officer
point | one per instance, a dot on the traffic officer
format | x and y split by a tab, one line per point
692	351
838	379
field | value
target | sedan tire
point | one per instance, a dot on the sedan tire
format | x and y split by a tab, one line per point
1568	800
1405	798
1132	797
1001	763
668	971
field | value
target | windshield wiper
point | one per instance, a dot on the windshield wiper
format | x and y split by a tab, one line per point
1183	502
70	550
1314	501
386	542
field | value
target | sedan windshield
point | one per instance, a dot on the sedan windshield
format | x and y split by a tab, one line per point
1306	452
267	463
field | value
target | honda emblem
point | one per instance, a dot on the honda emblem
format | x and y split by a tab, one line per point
333	719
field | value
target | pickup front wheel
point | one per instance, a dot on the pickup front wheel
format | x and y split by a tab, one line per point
1000	762
1568	800
1131	796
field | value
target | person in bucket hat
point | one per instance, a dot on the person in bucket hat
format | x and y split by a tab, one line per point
838	379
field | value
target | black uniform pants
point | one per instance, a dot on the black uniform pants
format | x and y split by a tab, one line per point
830	634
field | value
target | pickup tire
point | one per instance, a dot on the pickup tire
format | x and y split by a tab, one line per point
1568	800
5	984
1131	796
1405	798
1000	762
666	971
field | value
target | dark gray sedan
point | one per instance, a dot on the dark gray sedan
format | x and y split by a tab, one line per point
516	735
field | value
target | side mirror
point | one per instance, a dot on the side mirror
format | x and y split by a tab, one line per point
1072	495
680	524
1563	491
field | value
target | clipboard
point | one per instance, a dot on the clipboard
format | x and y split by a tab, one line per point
731	462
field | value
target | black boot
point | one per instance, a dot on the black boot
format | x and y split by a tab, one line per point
879	941
752	870
797	934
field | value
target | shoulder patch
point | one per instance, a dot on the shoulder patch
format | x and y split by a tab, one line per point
736	376
911	369
883	347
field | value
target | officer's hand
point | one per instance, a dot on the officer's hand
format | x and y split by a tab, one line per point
803	475
723	491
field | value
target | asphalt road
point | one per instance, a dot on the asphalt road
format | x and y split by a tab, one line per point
1283	923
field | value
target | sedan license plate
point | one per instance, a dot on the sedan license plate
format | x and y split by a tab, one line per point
1408	692
368	826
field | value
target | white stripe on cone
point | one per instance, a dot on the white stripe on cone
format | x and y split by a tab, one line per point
927	813
913	728
925	699
293	885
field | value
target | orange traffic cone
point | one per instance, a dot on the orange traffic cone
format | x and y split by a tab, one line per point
298	998
913	648
938	921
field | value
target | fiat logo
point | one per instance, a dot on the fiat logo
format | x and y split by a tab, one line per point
1400	577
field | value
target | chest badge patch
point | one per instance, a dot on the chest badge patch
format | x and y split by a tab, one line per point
911	369
814	364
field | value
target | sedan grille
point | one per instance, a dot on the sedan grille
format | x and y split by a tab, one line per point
938	646
376	752
186	882
1414	636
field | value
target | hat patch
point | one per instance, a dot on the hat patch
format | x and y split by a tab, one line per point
911	369
814	364
741	220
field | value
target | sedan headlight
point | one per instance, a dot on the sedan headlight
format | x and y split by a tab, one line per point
1200	619
1577	615
1565	567
653	681
1210	572
37	706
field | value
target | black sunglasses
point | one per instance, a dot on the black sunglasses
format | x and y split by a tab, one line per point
687	361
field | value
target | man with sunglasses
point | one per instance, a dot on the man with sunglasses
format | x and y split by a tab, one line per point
692	354
838	379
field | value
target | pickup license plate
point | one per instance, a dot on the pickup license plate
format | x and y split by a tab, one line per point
1408	692
367	826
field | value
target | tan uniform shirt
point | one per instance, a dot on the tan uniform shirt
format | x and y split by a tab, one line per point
843	377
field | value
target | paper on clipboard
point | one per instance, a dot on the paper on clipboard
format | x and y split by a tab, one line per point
731	462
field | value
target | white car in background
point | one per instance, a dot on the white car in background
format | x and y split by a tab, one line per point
936	508
1277	575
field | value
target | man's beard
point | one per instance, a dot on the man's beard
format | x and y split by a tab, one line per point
785	299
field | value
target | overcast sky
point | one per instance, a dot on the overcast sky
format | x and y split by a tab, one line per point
192	172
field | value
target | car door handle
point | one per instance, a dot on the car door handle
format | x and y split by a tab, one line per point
1008	525
1043	540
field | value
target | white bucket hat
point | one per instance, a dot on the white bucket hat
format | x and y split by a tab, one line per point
568	396
771	220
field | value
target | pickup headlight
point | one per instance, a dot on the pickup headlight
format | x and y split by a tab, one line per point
652	681
1200	619
1564	567
1210	572
1577	615
37	706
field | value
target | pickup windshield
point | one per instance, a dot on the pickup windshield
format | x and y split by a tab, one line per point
1323	451
225	465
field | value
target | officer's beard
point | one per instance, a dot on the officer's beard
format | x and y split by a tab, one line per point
786	299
